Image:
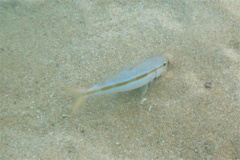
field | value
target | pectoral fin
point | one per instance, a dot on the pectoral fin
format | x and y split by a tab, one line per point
144	89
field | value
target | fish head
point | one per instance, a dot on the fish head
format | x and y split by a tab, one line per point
162	66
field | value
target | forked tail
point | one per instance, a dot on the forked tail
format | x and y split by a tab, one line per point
80	97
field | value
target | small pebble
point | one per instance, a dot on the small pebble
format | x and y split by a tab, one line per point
64	116
208	85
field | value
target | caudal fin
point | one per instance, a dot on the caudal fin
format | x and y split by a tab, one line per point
80	97
79	101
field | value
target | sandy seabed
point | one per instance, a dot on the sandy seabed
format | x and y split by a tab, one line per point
192	112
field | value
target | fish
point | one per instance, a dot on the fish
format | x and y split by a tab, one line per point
139	75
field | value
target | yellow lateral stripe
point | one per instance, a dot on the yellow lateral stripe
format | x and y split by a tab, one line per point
123	83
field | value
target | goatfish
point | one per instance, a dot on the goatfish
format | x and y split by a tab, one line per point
139	75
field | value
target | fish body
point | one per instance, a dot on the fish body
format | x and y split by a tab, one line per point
133	77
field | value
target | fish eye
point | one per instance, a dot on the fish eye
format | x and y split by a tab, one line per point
164	64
